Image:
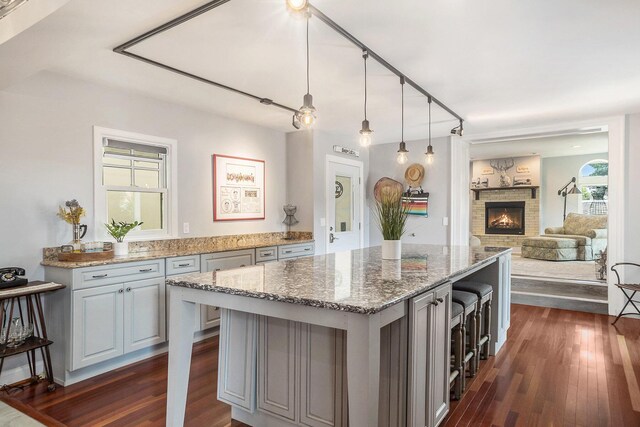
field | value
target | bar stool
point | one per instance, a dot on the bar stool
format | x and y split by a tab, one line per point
484	292
457	347
469	302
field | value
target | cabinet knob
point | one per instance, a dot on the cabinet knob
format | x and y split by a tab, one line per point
128	289
440	300
120	290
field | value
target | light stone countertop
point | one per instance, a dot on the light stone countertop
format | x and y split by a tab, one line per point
177	252
356	281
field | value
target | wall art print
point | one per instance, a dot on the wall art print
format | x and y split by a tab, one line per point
238	188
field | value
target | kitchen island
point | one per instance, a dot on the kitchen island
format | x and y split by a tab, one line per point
338	339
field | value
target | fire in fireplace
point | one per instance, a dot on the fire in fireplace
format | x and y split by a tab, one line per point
504	218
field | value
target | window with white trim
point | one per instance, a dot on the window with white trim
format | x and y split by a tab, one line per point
132	182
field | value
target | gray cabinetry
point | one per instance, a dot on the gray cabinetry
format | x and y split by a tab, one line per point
295	250
429	353
237	359
144	314
210	316
270	253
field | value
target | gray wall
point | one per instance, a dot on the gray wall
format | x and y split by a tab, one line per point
300	177
46	131
632	225
556	172
382	162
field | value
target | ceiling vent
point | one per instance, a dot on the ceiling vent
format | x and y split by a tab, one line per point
8	6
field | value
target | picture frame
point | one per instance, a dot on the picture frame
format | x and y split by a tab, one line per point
238	188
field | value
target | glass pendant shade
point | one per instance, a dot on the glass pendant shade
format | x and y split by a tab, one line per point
365	134
429	155
402	157
307	112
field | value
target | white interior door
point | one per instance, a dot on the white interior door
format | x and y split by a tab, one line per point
344	204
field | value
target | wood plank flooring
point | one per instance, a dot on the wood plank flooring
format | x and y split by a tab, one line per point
558	368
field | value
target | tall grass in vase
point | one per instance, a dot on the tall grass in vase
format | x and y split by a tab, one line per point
391	216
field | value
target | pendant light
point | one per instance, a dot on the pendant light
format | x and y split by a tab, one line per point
365	132
307	113
402	151
429	153
297	5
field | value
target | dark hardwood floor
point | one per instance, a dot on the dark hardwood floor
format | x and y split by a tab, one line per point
558	368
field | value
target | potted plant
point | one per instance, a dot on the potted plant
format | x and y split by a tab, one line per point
391	215
118	230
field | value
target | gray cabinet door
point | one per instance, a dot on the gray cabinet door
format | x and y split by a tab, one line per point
322	376
429	361
144	314
277	367
440	356
97	325
237	359
210	316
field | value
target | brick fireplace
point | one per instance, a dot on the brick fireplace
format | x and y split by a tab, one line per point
504	217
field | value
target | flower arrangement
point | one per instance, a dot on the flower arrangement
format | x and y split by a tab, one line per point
72	212
118	230
391	214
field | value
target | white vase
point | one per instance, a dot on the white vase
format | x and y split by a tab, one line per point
391	249
120	248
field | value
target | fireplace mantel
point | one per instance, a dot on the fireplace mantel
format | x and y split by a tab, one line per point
533	188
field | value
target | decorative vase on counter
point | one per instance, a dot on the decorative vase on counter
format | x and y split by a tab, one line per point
120	248
391	249
79	230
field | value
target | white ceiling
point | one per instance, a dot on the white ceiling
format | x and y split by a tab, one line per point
500	64
556	146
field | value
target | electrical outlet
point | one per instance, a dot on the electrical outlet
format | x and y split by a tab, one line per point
445	221
185	228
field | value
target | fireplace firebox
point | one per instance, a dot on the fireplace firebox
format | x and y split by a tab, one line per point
504	218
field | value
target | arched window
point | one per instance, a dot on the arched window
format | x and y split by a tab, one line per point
593	180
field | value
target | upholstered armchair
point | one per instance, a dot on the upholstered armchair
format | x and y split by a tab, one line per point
590	231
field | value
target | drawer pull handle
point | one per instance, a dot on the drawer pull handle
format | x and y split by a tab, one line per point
184	265
128	289
120	290
242	265
288	252
99	276
266	254
145	270
217	269
307	249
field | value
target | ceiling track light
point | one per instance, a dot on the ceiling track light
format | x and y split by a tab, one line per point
365	132
297	5
402	151
458	130
429	153
307	113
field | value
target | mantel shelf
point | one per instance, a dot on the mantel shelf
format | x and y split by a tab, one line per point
533	188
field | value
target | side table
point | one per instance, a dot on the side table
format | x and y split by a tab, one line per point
25	303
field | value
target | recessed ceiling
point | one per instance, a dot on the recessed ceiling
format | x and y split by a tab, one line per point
501	65
557	146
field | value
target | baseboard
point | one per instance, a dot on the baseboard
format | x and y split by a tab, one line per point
19	373
558	280
560	302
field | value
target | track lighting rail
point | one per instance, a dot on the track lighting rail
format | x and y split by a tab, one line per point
347	35
122	49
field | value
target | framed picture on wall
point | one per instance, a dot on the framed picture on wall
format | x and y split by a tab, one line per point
238	188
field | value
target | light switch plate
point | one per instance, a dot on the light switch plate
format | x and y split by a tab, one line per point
185	228
323	223
445	221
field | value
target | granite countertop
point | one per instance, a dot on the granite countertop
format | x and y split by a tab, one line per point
355	281
232	243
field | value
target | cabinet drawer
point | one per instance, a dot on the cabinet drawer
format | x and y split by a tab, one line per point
118	273
183	265
295	251
227	260
267	254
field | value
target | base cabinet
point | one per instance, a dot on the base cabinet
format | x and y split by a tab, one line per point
112	320
429	357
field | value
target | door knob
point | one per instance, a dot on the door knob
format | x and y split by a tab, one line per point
332	238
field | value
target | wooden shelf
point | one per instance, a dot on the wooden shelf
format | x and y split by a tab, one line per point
29	344
533	188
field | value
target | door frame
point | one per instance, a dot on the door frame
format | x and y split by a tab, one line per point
349	162
617	129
